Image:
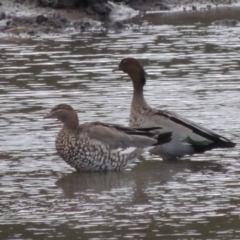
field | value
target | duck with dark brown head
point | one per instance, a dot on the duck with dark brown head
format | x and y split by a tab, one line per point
188	137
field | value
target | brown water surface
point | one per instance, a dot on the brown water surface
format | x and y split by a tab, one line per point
194	70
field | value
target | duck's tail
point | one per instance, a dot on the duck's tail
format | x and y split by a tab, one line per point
163	138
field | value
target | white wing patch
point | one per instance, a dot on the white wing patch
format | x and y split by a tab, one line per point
146	149
126	150
132	149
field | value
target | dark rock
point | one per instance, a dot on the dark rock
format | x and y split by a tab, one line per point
9	23
64	21
48	3
58	3
52	23
83	24
118	25
163	6
114	26
82	3
226	22
194	8
31	32
102	9
19	1
86	24
55	21
2	16
41	19
208	7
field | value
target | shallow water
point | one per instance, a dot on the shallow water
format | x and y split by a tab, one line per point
193	69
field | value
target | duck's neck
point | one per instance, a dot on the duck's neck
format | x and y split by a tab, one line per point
138	107
71	123
138	81
138	99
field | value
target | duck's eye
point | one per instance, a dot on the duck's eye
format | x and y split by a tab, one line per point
124	62
57	108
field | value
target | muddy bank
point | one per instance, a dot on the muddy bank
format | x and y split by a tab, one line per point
58	16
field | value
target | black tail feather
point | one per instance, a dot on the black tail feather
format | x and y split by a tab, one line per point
218	141
163	138
226	143
220	144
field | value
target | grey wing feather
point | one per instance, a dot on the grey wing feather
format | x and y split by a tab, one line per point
196	128
114	138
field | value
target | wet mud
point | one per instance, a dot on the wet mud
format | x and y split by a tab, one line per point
34	17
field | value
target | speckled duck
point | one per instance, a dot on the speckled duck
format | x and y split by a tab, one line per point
96	146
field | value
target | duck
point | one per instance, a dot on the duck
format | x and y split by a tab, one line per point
188	138
96	146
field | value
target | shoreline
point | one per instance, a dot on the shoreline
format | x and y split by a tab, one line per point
28	17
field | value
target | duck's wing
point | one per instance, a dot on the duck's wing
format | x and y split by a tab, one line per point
200	138
120	137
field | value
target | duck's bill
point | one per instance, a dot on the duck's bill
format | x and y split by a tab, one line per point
49	115
116	69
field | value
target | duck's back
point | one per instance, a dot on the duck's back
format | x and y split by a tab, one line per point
187	137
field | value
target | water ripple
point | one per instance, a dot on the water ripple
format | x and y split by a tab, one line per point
193	70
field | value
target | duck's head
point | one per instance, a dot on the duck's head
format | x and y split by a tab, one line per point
64	113
134	69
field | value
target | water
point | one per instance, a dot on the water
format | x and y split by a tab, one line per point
193	69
